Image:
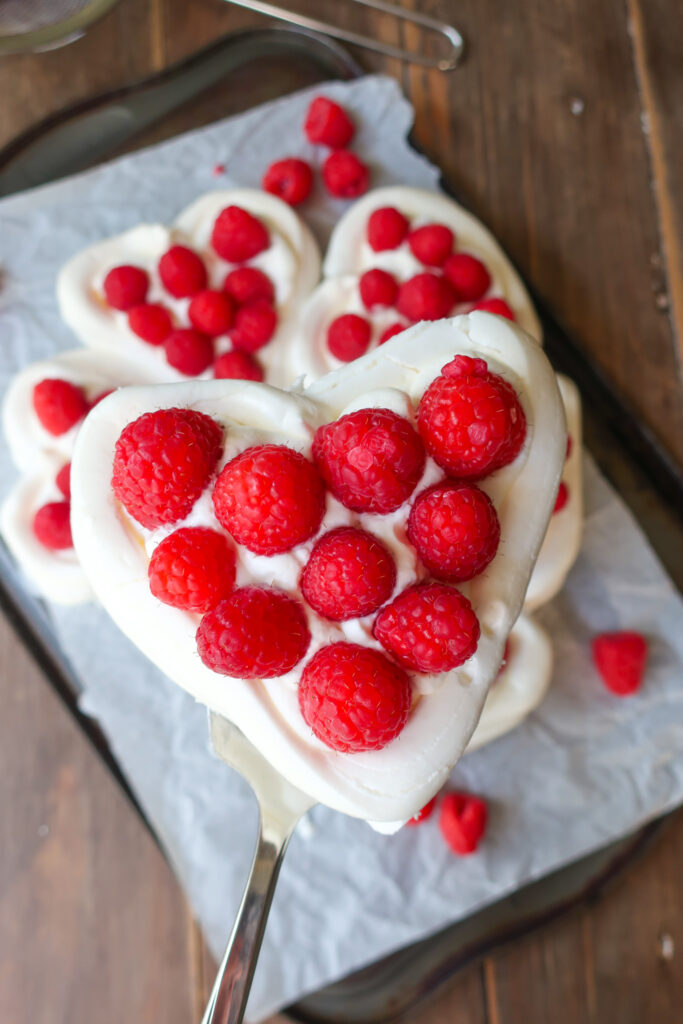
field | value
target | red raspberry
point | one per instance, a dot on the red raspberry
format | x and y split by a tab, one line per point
255	324
52	526
349	574
182	272
429	628
455	529
377	288
348	337
237	366
620	659
391	332
345	176
387	228
423	814
188	351
59	405
163	460
256	633
291	180
192	569
63	480
497	306
247	284
562	497
100	397
512	449
431	244
371	460
425	297
354	698
150	322
462	820
238	236
211	312
328	124
125	286
468	275
269	498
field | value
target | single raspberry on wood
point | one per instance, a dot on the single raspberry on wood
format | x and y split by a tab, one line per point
247	284
425	297
350	574
63	480
377	288
59	405
431	244
255	324
328	124
151	322
52	526
211	312
344	175
238	236
189	351
424	814
455	530
354	698
468	275
429	628
620	658
387	229
182	272
193	569
390	332
290	179
497	306
348	337
125	286
462	820
255	633
163	460
237	365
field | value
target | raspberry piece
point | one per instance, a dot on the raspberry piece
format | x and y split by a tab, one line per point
328	124
507	650
354	698
269	498
468	275
455	530
377	288
193	569
59	405
238	236
431	244
211	312
188	351
63	480
182	272
345	176
247	284
255	324
462	820
125	286
562	497
429	628
290	179
350	574
620	659
100	397
425	297
348	337
497	306
52	526
423	814
387	228
237	365
163	460
371	460
256	633
151	322
390	332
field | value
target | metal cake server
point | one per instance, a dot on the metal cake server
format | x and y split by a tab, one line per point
280	807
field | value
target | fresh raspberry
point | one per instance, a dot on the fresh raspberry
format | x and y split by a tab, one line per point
247	284
391	332
349	574
182	272
237	365
59	405
256	633
188	351
468	275
455	529
163	460
328	124
387	228
211	312
371	460
620	659
192	569
377	288
100	396
345	176
291	180
462	820
63	480
125	287
431	244
348	337
255	324
354	698
269	498
562	497
423	814
429	628
52	526
238	236
425	297
517	437
151	322
497	306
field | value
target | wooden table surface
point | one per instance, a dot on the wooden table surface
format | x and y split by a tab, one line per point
564	130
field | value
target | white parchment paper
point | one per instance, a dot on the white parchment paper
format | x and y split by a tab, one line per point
584	770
